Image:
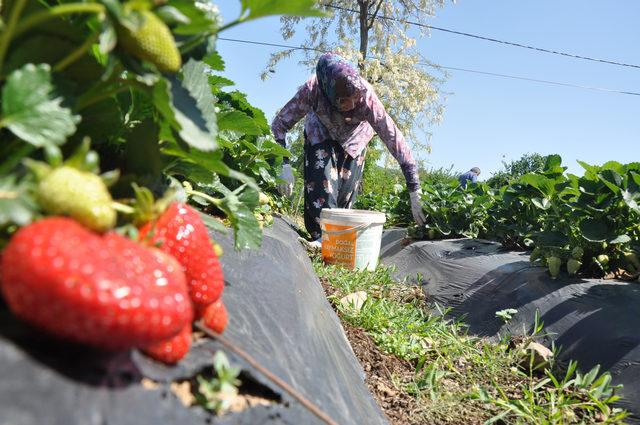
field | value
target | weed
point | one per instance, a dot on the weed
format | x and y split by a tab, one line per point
454	369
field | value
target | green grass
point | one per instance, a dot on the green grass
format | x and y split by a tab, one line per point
460	378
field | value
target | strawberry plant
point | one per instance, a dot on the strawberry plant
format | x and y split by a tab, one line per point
132	94
453	211
143	82
585	225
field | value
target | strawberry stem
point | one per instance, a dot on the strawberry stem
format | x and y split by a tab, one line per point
230	24
12	153
76	54
89	98
214	201
125	209
8	32
63	9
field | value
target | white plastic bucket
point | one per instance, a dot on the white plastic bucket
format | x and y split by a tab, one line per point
351	237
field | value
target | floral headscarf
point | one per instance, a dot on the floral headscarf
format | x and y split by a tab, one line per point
332	67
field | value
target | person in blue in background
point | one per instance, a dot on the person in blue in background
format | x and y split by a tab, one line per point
469	176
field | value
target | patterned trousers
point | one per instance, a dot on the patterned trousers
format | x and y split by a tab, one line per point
332	178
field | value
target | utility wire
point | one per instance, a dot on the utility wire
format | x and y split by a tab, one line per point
494	40
493	74
535	80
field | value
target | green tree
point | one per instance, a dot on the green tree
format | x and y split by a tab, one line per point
528	163
375	35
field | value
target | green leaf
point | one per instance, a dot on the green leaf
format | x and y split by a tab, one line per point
589	168
620	239
543	184
542	203
267	145
633	182
198	21
142	152
30	111
238	121
171	15
217	82
193	172
266	176
108	38
238	100
102	121
550	238
238	209
188	106
631	200
612	180
16	205
594	230
613	166
552	162
212	223
196	82
252	9
210	161
215	61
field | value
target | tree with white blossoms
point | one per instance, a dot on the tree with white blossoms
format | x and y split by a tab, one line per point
375	34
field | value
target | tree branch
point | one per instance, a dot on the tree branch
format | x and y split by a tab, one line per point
364	32
375	14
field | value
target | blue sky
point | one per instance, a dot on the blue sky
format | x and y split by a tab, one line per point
489	119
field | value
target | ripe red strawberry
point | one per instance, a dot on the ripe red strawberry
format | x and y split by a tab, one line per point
104	290
214	316
172	350
181	232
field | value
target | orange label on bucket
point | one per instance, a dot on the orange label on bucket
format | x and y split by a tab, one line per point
339	248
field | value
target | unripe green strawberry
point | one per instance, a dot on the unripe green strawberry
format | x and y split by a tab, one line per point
535	254
577	253
632	261
603	259
152	42
79	194
263	198
573	266
554	266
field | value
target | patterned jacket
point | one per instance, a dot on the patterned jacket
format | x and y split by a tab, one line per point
353	129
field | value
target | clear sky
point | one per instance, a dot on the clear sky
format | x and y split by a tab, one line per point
489	119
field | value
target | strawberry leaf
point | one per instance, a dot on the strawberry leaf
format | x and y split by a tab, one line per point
201	17
188	106
31	112
252	9
16	206
245	225
196	80
238	207
238	121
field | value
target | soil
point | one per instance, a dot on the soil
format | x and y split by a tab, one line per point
381	369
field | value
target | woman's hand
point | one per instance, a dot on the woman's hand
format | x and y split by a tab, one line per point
286	188
416	207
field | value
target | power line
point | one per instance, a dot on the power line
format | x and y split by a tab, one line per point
494	40
540	81
493	74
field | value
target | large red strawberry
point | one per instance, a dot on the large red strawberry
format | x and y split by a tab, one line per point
171	350
214	316
107	291
180	231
